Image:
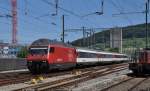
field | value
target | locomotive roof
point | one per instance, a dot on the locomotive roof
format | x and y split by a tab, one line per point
46	42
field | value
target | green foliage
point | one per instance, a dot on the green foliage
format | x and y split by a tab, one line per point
113	49
135	43
23	53
133	36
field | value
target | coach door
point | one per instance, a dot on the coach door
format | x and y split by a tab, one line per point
99	57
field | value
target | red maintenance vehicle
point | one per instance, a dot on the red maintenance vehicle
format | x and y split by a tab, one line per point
141	62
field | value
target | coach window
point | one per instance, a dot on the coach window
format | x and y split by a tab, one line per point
89	55
101	55
125	56
120	56
80	54
52	49
108	56
117	56
93	55
83	54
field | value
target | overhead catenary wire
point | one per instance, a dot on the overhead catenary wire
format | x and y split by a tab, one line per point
22	14
20	18
23	28
33	17
39	18
125	13
70	12
65	10
26	9
134	4
25	21
120	9
100	12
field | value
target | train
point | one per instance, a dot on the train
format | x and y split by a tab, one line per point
140	63
45	55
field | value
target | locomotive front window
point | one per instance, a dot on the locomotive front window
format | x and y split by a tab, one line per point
38	50
52	49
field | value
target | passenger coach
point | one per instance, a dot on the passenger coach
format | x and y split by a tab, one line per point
86	56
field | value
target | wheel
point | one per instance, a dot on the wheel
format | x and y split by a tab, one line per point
135	71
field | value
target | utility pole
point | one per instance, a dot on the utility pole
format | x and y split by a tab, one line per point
87	39
14	21
121	41
146	19
94	37
103	39
91	38
56	6
63	29
83	28
92	41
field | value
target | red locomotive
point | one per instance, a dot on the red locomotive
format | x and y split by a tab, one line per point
45	55
141	62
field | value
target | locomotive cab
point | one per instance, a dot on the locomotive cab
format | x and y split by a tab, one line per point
38	58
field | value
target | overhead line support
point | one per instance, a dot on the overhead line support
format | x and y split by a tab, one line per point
14	21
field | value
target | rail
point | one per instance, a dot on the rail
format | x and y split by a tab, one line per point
84	76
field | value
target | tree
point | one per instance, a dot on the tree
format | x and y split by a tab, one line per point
23	52
114	49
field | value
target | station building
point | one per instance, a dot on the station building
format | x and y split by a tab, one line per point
9	50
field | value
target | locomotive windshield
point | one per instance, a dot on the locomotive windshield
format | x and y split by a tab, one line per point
38	50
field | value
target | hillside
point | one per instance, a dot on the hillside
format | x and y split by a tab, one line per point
132	35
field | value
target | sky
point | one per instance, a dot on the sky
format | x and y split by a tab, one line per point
35	18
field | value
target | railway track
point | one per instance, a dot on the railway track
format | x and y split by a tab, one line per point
11	78
14	78
84	76
128	84
7	79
